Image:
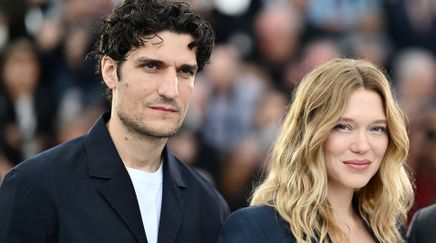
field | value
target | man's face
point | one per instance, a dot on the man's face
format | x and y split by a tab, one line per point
155	83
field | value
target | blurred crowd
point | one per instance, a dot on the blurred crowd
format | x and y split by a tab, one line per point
49	91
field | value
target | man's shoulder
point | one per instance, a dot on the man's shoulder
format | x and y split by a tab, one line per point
53	159
42	173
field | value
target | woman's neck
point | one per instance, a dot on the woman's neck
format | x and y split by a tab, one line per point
341	201
345	215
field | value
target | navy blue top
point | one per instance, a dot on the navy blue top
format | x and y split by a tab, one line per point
260	224
256	224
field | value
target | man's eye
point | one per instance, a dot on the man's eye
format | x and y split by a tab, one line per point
150	65
187	71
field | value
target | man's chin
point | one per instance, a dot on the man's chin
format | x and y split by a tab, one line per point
158	132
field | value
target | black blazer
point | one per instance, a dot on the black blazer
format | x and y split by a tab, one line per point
422	229
259	224
81	192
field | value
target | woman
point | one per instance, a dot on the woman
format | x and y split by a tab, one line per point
337	167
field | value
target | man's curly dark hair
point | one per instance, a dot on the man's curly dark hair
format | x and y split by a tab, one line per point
130	23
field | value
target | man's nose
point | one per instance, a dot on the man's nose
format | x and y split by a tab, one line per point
168	87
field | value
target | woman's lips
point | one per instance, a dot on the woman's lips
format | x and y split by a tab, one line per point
357	164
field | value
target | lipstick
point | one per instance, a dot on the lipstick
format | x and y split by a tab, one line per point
357	164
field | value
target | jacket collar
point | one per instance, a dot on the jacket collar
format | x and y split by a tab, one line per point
104	160
105	163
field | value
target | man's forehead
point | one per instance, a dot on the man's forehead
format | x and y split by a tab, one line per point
158	39
166	48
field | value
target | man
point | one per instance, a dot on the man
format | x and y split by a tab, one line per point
119	183
422	229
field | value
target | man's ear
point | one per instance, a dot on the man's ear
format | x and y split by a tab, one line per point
109	71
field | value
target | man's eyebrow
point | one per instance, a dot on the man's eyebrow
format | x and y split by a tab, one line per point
140	60
192	67
148	60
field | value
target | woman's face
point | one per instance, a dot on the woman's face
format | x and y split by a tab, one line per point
355	147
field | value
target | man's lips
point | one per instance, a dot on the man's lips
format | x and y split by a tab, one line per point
164	108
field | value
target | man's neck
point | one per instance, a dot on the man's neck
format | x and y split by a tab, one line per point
138	152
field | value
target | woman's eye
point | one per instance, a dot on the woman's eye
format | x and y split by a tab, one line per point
342	127
378	130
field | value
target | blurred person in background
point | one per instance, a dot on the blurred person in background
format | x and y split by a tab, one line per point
4	35
269	114
119	182
368	40
411	23
277	33
64	39
415	79
337	167
415	82
234	93
314	53
74	83
240	172
422	228
235	90
424	165
14	13
242	167
27	110
335	17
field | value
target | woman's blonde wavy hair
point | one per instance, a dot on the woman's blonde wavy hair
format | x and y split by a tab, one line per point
296	183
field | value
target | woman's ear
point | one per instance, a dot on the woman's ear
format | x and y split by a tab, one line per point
109	72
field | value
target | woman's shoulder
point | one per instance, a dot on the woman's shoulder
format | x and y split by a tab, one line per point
256	212
255	224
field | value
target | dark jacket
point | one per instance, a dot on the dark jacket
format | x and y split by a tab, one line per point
80	191
258	224
422	229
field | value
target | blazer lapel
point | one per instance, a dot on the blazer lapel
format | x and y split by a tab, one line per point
118	191
172	200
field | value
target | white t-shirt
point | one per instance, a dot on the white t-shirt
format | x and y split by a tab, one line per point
148	188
